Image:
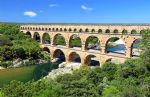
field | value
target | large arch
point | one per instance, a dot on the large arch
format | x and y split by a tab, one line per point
74	57
115	45
135	48
46	49
75	41
46	39
59	40
59	55
90	60
36	37
92	42
28	34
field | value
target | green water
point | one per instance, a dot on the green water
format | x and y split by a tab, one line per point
25	74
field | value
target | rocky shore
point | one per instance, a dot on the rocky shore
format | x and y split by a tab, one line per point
63	69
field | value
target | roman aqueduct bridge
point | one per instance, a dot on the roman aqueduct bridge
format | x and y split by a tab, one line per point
128	33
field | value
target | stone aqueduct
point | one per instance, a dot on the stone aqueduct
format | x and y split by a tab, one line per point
128	33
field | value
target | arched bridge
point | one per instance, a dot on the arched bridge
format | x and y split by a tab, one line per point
101	49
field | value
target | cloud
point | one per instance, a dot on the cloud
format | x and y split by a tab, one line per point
83	7
54	5
30	14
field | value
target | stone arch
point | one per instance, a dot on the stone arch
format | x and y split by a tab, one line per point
49	29
116	31
61	29
46	49
93	30
86	30
92	42
59	39
133	31
107	31
74	57
80	30
70	29
57	29
142	31
46	38
36	37
75	30
124	31
135	48
115	45
75	41
59	55
29	34
65	29
100	31
90	60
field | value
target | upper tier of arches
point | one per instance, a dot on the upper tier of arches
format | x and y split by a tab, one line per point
107	30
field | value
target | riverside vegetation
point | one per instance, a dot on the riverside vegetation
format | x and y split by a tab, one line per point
130	79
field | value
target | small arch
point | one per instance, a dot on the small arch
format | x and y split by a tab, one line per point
46	49
100	31
65	30
93	30
86	30
116	31
53	29
124	31
74	57
70	29
61	29
39	28
59	56
46	39
75	30
80	30
46	29
57	29
49	29
107	31
142	31
133	32
91	60
42	29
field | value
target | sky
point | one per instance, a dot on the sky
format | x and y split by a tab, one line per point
75	11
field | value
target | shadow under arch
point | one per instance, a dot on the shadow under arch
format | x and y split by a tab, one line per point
90	60
74	57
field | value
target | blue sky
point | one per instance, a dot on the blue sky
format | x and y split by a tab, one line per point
75	11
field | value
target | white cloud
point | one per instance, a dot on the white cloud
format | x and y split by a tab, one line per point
30	13
53	5
83	7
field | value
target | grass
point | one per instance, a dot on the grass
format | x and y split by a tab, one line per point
25	74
